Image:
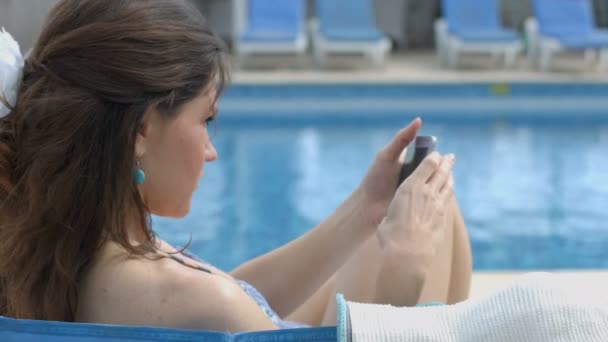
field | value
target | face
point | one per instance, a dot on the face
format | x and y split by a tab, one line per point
173	151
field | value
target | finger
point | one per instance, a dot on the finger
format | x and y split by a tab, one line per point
447	190
427	168
403	138
440	177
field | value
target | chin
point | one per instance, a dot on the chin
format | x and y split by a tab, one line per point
181	212
185	210
175	212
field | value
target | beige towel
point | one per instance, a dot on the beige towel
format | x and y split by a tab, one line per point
535	307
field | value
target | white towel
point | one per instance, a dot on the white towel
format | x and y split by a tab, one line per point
535	307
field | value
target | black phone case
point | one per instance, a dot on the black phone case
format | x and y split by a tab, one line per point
409	167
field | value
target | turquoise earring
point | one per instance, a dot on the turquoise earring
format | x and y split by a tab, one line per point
139	175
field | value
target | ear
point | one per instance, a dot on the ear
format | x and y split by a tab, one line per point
143	132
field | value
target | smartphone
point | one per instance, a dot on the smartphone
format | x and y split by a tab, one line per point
423	146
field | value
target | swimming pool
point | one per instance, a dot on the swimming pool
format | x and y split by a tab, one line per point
530	178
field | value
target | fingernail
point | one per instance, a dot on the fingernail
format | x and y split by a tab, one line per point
452	157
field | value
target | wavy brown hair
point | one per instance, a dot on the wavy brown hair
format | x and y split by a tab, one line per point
67	149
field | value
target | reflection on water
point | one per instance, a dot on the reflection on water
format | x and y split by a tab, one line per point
533	196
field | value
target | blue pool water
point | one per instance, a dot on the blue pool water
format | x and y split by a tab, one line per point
531	176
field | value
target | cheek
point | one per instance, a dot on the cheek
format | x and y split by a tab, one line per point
175	170
179	163
192	144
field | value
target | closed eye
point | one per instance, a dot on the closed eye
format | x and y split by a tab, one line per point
210	119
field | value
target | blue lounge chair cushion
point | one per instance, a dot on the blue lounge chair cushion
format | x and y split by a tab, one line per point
364	35
487	36
269	36
347	20
590	40
469	16
273	21
564	16
571	22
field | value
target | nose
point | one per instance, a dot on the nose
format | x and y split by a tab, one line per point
210	153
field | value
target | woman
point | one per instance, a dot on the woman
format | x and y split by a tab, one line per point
109	125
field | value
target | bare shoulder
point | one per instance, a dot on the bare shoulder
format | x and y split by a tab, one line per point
139	291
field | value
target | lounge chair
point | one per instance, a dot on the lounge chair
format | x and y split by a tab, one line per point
474	26
562	25
347	27
270	27
34	331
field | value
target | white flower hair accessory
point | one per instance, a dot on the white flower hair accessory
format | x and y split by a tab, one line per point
11	70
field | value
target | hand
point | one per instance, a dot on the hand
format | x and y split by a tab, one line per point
415	223
378	186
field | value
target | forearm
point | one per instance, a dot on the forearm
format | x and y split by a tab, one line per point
400	280
291	274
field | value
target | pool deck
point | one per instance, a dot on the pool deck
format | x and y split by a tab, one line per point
423	67
415	67
487	282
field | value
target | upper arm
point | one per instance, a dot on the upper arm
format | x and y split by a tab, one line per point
165	294
215	303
